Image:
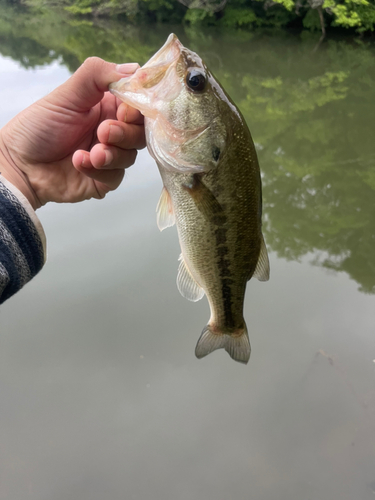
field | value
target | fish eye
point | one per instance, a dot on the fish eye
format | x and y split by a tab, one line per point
196	80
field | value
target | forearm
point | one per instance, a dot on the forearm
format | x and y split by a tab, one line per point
22	240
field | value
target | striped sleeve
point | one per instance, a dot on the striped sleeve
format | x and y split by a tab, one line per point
22	241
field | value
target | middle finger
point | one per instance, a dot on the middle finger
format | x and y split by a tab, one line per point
122	135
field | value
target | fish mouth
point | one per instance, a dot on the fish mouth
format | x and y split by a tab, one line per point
134	89
167	54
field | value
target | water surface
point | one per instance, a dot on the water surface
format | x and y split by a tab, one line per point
102	396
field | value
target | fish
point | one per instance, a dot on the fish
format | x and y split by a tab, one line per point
211	187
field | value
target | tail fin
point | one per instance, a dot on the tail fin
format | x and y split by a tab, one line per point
238	346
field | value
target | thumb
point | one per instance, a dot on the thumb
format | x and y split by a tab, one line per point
87	85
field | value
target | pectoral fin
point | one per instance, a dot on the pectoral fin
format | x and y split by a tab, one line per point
164	211
262	271
203	198
186	284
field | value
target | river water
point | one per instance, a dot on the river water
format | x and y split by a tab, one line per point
101	394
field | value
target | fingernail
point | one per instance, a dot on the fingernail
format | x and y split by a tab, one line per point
79	158
116	134
124	109
108	157
127	68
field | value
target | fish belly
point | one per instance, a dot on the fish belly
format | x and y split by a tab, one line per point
220	250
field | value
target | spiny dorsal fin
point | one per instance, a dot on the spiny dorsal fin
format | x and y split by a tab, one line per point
186	284
164	211
262	271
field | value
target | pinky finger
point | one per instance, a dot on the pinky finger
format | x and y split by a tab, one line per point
81	159
102	181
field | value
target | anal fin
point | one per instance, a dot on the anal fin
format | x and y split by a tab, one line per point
262	270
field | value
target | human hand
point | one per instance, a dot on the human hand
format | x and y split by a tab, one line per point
75	143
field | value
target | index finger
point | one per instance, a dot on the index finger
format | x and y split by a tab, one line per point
127	114
86	87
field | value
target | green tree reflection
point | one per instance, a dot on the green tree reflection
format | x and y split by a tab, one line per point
310	111
314	126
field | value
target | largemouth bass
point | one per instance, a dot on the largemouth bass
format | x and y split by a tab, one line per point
212	187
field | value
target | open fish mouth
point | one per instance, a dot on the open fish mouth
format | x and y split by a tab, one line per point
167	54
151	73
134	89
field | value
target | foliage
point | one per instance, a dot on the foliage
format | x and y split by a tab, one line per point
311	20
198	16
240	17
358	14
160	11
354	15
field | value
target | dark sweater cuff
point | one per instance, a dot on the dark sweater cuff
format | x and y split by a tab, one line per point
22	241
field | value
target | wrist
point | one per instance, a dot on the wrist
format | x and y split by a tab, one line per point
12	173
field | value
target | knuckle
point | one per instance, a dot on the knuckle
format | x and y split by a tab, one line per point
92	63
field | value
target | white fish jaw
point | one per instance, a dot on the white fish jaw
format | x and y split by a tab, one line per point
153	83
168	53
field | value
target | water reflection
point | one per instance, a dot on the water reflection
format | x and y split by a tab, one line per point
311	114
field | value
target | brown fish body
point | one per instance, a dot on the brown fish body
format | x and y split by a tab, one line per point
212	187
221	247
